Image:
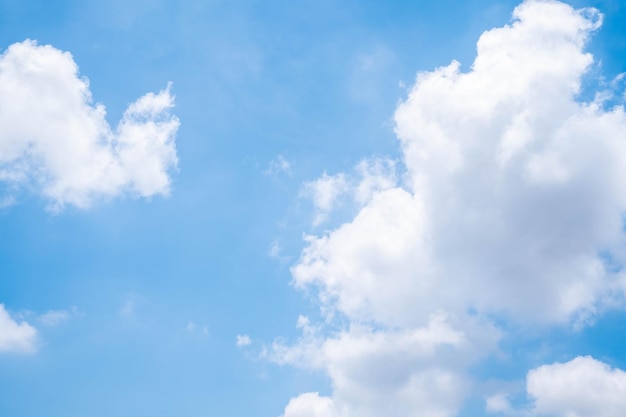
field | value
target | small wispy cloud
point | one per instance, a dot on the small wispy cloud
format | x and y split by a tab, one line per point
53	318
128	310
243	340
276	251
324	193
369	177
277	166
193	327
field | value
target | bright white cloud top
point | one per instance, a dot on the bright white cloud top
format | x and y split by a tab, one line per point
53	138
511	206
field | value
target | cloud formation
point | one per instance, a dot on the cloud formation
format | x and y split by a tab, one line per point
324	193
370	176
394	372
56	141
513	191
54	318
582	387
510	207
17	337
243	340
277	166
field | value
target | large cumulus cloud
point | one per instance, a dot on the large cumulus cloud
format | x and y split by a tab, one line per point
514	190
510	207
56	141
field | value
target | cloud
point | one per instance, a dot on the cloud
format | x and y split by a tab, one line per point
310	404
392	372
324	193
582	387
370	176
193	327
53	318
498	403
56	141
17	334
16	337
243	340
512	196
129	307
508	206
278	165
276	252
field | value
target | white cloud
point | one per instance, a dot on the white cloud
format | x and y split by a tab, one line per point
276	252
391	372
53	318
324	192
243	340
310	404
56	140
193	327
498	403
279	165
582	387
373	176
510	202
365	267
16	337
370	176
512	191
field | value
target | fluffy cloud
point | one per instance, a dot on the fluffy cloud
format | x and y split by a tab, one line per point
510	206
582	387
382	372
514	190
370	176
309	404
56	140
16	337
324	193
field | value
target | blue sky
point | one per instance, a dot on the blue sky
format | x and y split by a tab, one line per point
298	226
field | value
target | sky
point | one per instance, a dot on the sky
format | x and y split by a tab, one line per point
312	209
